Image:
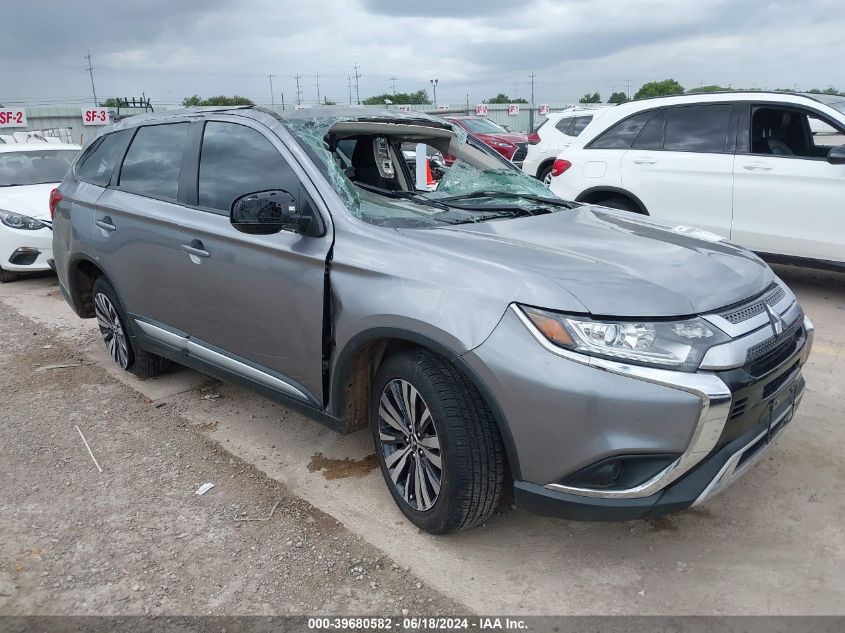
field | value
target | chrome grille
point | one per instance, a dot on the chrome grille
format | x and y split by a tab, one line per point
758	306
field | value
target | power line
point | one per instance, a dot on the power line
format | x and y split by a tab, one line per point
270	77
357	90
298	91
90	70
317	83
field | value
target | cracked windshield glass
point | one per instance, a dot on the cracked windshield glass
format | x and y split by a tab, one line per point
414	172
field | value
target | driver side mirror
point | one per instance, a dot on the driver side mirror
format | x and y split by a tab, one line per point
266	212
836	155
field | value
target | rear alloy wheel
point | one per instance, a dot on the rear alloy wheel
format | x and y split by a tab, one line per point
437	443
546	176
114	329
409	445
111	328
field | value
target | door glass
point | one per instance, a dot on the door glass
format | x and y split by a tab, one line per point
580	123
237	160
698	128
98	166
652	135
621	135
152	164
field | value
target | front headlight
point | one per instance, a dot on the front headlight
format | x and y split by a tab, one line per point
19	221
668	344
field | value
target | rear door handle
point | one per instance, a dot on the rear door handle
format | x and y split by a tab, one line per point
196	249
106	224
755	166
645	161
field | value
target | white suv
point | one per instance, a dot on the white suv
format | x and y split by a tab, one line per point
765	170
553	136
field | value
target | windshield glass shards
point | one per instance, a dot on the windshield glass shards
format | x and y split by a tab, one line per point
412	172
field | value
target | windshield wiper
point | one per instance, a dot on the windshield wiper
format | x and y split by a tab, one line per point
507	194
403	195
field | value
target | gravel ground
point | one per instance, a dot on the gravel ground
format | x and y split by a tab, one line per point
135	539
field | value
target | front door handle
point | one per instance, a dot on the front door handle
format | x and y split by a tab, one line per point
755	166
645	161
106	224
196	249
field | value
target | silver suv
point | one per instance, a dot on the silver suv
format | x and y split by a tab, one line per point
608	366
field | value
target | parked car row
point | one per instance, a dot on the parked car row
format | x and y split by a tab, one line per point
765	170
605	364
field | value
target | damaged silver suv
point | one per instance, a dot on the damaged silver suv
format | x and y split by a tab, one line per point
606	366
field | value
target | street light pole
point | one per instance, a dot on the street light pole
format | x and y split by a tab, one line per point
272	101
434	91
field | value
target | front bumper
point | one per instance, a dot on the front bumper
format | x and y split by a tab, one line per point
25	251
577	412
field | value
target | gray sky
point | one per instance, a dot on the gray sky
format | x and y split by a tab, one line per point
170	49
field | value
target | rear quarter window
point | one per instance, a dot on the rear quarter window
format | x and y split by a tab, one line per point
622	135
97	165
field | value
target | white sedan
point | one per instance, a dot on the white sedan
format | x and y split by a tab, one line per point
27	175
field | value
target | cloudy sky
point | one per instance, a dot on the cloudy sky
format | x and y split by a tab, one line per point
170	49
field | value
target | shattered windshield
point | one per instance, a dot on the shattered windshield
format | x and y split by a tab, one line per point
417	172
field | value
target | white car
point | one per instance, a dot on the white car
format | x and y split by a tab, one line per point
27	175
765	170
553	136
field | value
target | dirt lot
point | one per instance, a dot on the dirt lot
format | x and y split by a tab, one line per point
135	539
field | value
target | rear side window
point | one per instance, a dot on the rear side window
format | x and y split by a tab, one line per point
97	167
622	135
652	135
564	125
579	124
237	160
152	164
698	128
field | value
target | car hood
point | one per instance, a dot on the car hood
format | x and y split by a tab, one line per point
31	200
507	138
613	263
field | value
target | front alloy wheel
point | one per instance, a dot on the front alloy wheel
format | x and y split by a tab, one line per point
111	328
409	445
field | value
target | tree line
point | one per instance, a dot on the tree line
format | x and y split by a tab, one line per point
667	87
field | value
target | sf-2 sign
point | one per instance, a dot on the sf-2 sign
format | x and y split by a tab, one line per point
545	108
12	117
95	116
513	109
481	109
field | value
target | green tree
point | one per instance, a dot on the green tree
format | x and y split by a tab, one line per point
503	98
327	102
713	88
617	97
219	100
590	98
112	102
659	89
400	98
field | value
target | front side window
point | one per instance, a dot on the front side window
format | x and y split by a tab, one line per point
35	167
97	167
698	128
787	131
622	135
153	162
236	160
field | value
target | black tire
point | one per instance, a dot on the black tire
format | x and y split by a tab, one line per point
138	361
624	204
544	173
470	447
7	276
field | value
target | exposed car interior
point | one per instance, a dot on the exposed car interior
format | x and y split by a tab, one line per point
788	132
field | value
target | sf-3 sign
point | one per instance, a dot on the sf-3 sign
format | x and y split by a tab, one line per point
13	117
95	116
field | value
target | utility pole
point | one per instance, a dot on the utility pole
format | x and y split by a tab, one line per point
283	101
90	70
270	77
531	111
298	91
628	89
393	84
349	85
317	80
357	77
433	83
